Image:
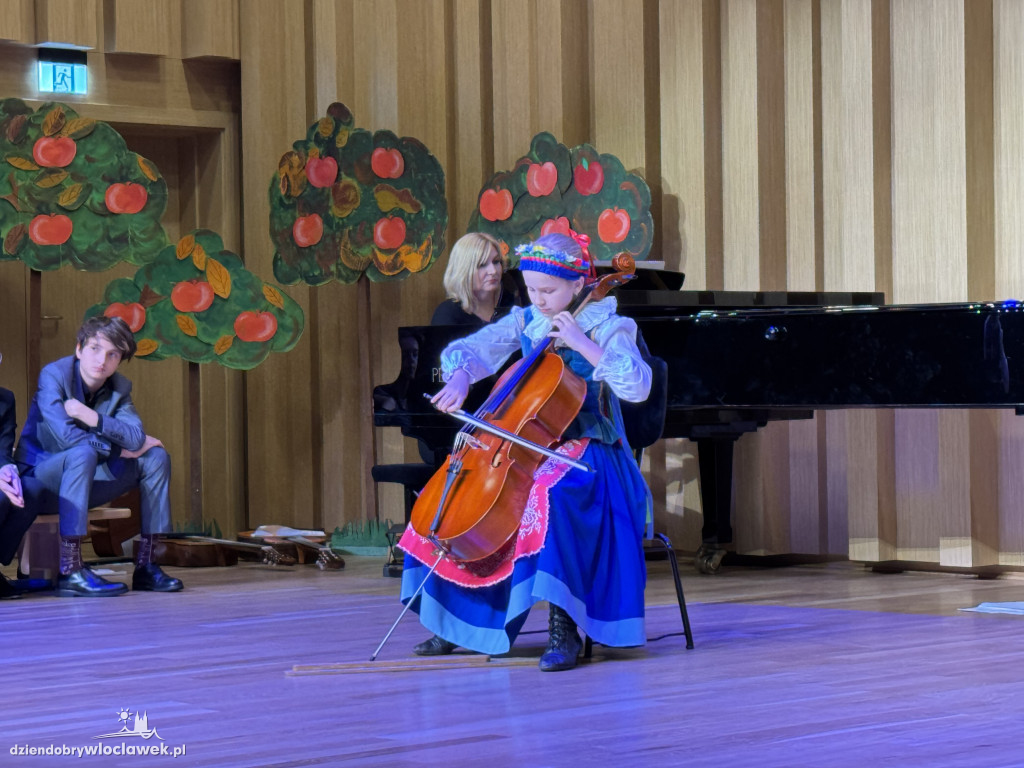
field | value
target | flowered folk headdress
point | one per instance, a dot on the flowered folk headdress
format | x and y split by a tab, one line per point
557	254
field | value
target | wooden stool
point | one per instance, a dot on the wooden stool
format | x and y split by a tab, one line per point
39	557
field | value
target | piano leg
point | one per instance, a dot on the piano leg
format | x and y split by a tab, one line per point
714	456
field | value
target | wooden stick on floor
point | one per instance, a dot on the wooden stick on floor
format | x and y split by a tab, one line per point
456	661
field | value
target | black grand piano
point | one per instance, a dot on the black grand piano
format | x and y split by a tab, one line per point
737	360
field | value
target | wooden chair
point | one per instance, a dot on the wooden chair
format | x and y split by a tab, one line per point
39	557
412	477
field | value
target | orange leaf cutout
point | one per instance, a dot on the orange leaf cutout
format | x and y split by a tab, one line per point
185	246
22	163
51	178
54	122
69	196
147	168
291	170
187	325
342	138
389	198
219	278
325	126
271	294
78	128
146	347
223	344
199	257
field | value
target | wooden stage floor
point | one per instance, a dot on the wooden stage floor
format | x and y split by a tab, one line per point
824	665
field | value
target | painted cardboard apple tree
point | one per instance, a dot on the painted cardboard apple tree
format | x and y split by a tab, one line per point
345	202
554	188
67	185
197	301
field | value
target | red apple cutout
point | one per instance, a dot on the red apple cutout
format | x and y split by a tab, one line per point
541	179
613	225
192	295
54	152
134	314
496	204
588	177
49	230
321	171
126	197
387	163
389	233
307	230
255	326
560	225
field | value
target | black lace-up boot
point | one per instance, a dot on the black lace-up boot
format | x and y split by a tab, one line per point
435	646
148	576
563	644
76	580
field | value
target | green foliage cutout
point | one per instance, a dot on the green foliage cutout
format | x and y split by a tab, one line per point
198	302
345	201
554	188
72	193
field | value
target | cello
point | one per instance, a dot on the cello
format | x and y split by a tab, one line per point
472	507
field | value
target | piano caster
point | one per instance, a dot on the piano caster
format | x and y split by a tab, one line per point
708	559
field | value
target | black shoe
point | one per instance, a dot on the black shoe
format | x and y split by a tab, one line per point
27	585
563	645
9	591
85	583
435	646
151	578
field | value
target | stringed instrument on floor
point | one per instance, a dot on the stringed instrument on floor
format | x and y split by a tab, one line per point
195	551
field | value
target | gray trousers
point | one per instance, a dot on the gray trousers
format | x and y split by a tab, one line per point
80	481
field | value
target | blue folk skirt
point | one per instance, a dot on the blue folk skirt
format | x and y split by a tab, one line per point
591	565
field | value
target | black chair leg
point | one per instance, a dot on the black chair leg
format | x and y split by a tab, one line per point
670	551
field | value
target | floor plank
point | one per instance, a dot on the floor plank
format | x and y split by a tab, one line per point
823	665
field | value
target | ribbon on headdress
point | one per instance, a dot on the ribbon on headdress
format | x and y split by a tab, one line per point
583	241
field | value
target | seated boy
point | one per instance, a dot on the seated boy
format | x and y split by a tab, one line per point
15	515
84	442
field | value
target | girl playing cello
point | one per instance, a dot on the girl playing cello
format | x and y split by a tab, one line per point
579	544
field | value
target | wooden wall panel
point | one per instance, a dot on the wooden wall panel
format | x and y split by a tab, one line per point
683	170
470	149
930	263
18	21
682	56
617	89
209	28
741	216
150	27
1007	265
800	145
800	252
282	449
848	219
14	339
979	108
69	23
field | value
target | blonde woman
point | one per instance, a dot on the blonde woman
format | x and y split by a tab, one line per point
473	281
